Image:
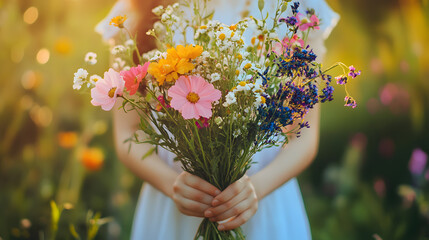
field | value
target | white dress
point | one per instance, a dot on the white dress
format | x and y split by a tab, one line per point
281	214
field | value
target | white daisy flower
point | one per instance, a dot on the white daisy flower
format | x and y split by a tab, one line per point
91	58
215	77
93	79
79	78
118	49
158	10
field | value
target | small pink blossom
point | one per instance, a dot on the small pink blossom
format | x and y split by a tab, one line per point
106	90
418	161
306	23
193	96
280	48
134	76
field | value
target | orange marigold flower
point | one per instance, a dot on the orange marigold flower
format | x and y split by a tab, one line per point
178	61
67	139
92	159
189	51
118	21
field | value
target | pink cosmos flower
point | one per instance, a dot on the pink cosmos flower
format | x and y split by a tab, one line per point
106	90
134	76
193	96
306	23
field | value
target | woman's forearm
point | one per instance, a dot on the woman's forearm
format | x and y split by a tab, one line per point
152	169
292	159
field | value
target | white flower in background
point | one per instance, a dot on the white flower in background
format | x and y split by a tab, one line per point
126	68
91	58
118	64
205	55
259	100
169	10
215	77
257	86
218	120
130	43
79	78
158	10
159	28
118	49
176	5
93	79
236	133
229	99
243	86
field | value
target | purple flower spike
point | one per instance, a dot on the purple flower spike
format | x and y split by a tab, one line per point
417	162
350	102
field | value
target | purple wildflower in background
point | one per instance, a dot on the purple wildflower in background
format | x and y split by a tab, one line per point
417	162
295	8
350	102
341	80
353	72
328	94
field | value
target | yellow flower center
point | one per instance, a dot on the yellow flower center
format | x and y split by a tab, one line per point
232	34
118	21
237	72
253	41
239	56
193	97
203	27
233	27
247	66
242	83
111	93
263	100
222	36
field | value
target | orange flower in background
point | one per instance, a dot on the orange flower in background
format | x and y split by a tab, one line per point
178	61
67	139
92	159
118	21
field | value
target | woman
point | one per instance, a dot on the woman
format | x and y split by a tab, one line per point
266	202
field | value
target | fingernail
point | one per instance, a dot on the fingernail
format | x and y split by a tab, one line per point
215	202
217	192
208	214
220	227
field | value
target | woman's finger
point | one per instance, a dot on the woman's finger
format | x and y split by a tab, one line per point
237	221
194	194
215	211
190	207
200	184
231	191
234	211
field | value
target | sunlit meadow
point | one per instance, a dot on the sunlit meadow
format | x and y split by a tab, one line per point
60	177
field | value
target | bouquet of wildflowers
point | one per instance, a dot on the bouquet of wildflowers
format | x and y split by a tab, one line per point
213	99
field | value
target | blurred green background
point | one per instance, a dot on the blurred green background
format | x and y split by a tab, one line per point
55	146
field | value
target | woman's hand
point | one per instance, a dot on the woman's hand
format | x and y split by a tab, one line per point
193	195
238	202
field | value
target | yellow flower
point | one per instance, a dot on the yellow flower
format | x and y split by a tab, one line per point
118	21
247	66
189	51
233	27
237	72
222	36
178	61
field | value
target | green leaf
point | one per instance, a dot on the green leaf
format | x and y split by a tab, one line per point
73	232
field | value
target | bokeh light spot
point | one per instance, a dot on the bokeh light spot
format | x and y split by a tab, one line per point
63	46
41	116
30	15
31	79
16	54
43	56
